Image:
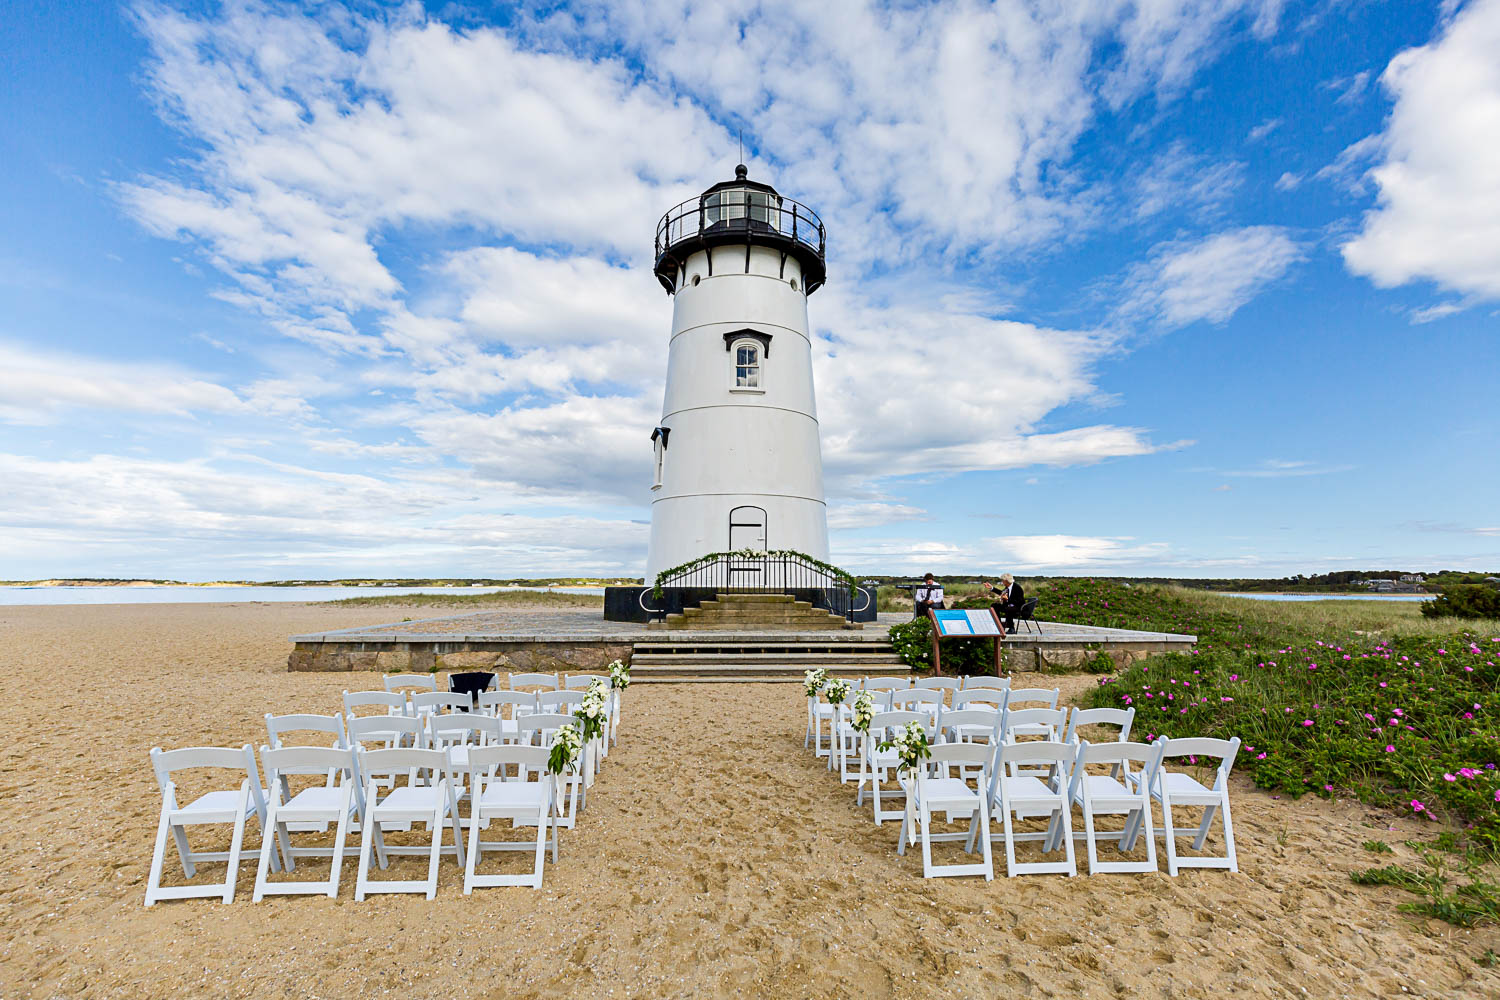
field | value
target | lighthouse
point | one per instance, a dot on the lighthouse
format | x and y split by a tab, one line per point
736	458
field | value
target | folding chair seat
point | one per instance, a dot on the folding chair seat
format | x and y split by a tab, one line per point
977	725
311	808
1120	792
410	682
547	682
432	802
1174	789
457	734
875	762
494	703
425	703
1027	795
497	795
936	789
985	681
538	730
220	807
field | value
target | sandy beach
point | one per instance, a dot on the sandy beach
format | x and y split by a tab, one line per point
716	859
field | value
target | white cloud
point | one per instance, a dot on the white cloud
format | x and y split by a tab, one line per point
1178	179
872	514
1209	279
1288	181
1278	468
1264	129
1437	215
36	387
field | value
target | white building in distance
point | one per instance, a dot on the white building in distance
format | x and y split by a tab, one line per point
737	459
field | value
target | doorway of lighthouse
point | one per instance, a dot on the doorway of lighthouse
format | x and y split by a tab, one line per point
747	532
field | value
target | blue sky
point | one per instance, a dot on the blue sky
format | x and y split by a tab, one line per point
1186	289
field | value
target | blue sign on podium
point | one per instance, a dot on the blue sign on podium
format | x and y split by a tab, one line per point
959	623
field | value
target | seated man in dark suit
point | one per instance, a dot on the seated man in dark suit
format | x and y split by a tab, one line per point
1008	599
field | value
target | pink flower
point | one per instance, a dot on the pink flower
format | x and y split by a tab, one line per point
1417	806
1390	749
1307	722
1468	772
1448	777
1262	756
1327	788
1497	795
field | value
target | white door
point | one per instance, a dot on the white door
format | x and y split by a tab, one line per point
747	531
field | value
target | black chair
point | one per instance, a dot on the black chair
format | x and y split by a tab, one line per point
472	682
1027	613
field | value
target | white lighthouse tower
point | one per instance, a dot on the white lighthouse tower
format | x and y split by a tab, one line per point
737	459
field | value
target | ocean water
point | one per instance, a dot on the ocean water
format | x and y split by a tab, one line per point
218	595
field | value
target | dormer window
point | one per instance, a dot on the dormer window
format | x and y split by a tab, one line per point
747	366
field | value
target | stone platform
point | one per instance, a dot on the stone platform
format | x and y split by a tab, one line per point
578	639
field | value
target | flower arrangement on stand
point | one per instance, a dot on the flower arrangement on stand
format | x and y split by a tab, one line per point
567	744
864	711
619	680
837	691
813	681
591	715
911	746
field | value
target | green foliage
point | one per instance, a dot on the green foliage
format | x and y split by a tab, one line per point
913	641
1377	847
1411	722
1464	601
1469	904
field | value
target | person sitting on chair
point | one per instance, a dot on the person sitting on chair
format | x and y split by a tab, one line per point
1008	600
928	595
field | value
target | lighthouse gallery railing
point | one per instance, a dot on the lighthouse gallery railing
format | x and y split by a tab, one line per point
756	572
747	211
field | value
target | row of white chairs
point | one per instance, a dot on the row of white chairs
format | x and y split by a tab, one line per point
417	761
984	762
930	694
541	680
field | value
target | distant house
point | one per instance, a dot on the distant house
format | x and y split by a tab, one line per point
1381	586
1413	578
1492	579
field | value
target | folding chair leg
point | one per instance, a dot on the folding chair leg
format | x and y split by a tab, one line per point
158	856
1170	834
436	852
1208	818
184	851
235	843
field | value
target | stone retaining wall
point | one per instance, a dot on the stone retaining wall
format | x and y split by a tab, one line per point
422	657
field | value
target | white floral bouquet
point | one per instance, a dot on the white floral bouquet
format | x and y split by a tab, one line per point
567	744
837	690
619	675
864	711
591	711
813	681
911	746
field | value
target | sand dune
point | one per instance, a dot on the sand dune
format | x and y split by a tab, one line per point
716	859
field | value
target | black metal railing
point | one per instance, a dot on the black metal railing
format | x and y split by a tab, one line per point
735	211
734	573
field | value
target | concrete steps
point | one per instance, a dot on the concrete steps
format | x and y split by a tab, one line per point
760	661
754	613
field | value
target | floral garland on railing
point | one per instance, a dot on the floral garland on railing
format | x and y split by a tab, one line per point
911	746
842	575
813	681
864	711
619	675
567	744
837	690
590	712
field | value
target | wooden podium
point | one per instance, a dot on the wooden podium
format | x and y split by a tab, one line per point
964	624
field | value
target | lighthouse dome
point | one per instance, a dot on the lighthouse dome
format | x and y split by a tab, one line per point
740	212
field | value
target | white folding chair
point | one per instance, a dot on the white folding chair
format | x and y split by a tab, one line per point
976	697
1120	792
547	682
493	704
1174	789
875	762
579	682
411	682
385	732
936	789
887	683
227	806
918	700
332	726
938	683
1027	698
819	712
311	808
497	795
966	725
425	703
1122	717
431	802
558	701
538	730
390	702
986	681
1026	795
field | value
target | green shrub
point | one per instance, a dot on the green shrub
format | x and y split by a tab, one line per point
913	641
1464	601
